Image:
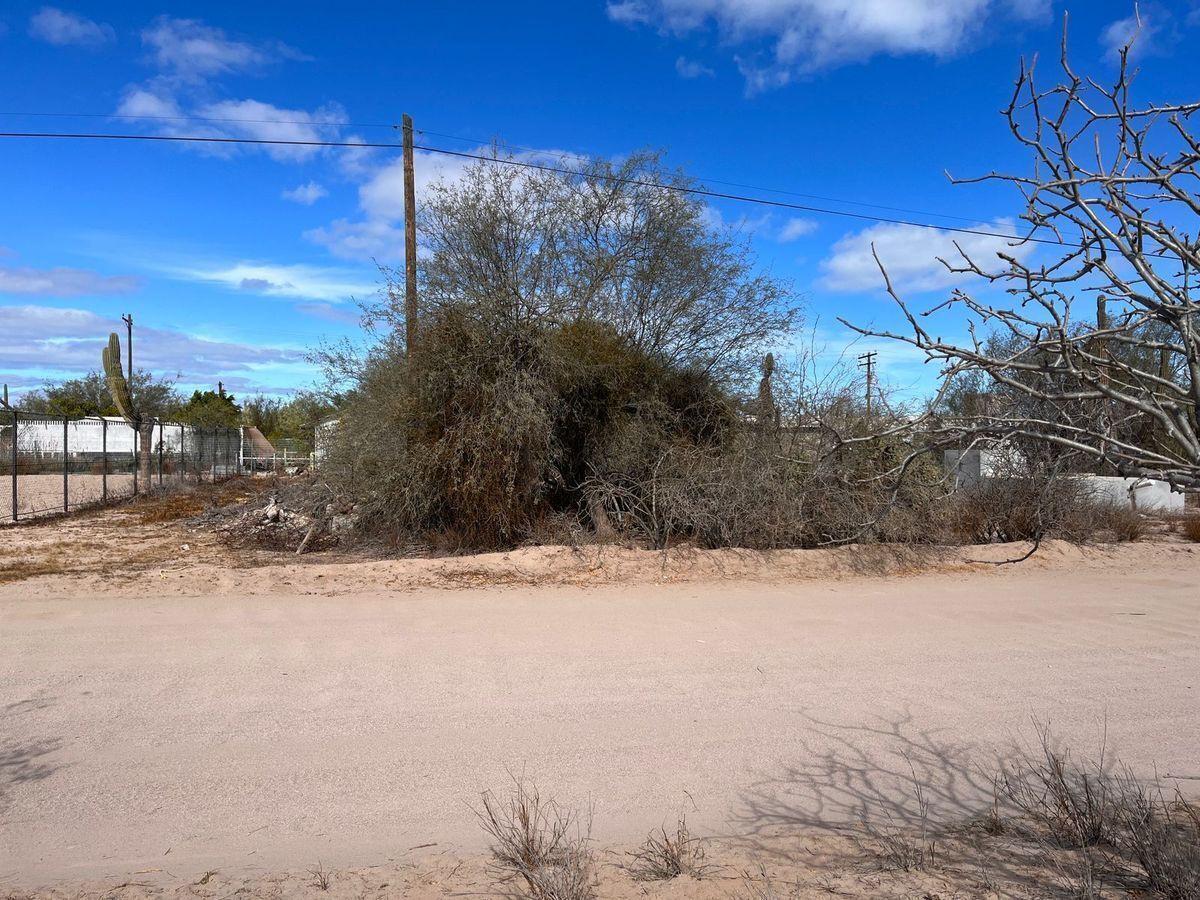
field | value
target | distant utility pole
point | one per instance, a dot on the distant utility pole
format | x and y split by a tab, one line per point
128	320
410	240
867	361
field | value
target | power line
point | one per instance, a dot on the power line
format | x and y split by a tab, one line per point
616	179
475	142
736	184
132	117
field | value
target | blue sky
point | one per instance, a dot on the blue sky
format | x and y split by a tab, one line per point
233	261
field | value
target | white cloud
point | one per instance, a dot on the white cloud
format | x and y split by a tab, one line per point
780	39
375	239
306	194
795	229
190	49
40	340
302	282
62	282
190	55
61	28
379	234
910	255
1152	29
690	68
146	104
250	119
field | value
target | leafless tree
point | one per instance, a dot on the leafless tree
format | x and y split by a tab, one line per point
620	243
1097	353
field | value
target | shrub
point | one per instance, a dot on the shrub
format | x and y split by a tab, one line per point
1074	803
1190	527
1023	507
1123	522
1163	836
754	492
497	428
540	845
664	856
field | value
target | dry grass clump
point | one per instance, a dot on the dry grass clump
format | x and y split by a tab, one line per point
664	856
1189	527
909	847
760	886
321	876
1123	522
1073	802
1163	836
538	846
1111	826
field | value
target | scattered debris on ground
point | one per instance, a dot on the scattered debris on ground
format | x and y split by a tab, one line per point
298	515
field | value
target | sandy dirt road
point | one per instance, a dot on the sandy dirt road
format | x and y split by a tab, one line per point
248	731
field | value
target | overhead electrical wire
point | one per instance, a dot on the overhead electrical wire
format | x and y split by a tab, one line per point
616	179
736	184
466	140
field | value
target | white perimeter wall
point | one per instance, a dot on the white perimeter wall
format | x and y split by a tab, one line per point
1144	494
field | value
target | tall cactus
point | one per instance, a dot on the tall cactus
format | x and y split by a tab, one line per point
118	384
121	389
767	412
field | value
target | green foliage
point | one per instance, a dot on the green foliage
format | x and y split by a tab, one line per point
290	420
208	409
89	396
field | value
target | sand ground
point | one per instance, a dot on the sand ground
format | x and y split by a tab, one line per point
42	494
166	714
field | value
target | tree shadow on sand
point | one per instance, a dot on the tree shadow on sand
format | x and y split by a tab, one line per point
25	761
867	782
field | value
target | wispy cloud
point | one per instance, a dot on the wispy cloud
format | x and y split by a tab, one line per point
297	282
1152	30
691	68
378	234
191	49
160	108
62	281
776	41
191	57
911	254
306	194
38	342
61	28
796	228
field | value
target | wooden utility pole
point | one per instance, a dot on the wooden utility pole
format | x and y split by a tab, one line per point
128	320
410	240
867	361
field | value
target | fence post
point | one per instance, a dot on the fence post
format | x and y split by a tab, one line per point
135	458
160	451
66	500
104	459
182	457
14	465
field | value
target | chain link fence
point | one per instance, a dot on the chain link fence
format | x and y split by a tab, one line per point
54	464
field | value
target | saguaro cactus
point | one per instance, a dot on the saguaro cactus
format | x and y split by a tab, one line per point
118	384
121	389
767	412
